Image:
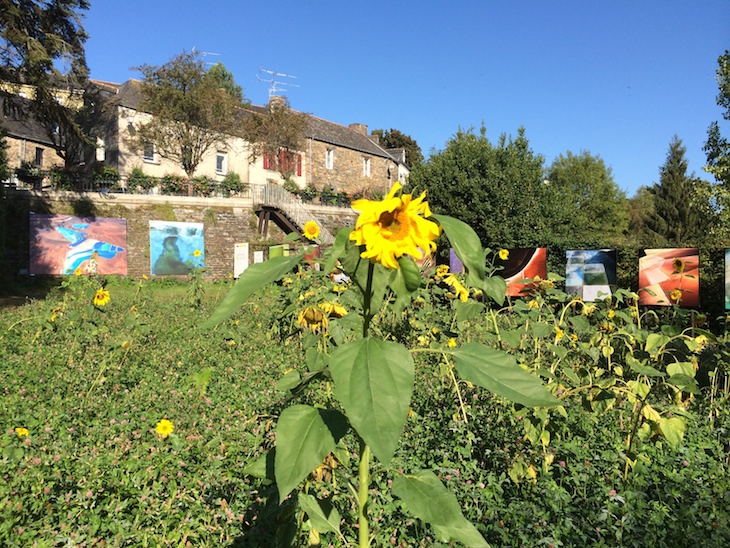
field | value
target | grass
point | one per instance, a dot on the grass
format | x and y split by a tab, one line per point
91	386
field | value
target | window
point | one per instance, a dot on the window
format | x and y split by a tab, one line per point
366	167
288	162
329	159
39	157
149	152
221	163
100	150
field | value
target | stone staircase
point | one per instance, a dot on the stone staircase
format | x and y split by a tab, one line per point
276	199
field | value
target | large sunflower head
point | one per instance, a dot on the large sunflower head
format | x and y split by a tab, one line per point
394	226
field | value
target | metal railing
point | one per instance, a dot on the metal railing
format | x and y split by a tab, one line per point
291	205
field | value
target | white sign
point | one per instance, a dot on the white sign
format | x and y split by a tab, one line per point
240	259
258	256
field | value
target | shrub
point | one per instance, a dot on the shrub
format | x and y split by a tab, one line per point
232	184
139	179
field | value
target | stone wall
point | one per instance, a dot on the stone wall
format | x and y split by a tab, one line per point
226	222
347	173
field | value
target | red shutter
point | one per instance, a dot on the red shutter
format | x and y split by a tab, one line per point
267	162
299	165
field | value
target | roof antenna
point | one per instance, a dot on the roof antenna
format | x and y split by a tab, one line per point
204	53
274	87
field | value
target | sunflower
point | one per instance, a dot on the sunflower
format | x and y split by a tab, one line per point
311	230
504	254
22	432
196	253
677	266
676	295
101	297
461	291
333	309
442	270
164	428
313	319
393	227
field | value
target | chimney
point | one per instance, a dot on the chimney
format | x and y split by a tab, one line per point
277	101
360	128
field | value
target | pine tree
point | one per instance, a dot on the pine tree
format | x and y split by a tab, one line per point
682	212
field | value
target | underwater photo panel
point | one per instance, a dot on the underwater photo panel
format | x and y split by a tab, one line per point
63	245
176	248
670	276
590	273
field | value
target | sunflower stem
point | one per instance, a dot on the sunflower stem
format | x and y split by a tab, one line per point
364	529
367	315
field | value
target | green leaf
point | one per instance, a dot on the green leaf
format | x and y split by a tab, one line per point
673	429
499	373
253	278
410	272
288	381
404	281
542	329
374	383
467	247
323	515
262	467
337	250
427	499
496	288
580	324
468	310
681	368
303	440
655	340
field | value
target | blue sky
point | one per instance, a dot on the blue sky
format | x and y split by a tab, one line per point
616	78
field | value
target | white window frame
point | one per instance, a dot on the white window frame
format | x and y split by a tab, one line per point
366	167
222	159
329	159
150	159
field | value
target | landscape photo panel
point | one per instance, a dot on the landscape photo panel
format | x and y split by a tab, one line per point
63	245
590	273
670	276
522	263
176	248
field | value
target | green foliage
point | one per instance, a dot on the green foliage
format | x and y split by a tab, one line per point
277	133
594	208
232	184
682	213
138	179
494	188
393	138
192	109
717	147
90	384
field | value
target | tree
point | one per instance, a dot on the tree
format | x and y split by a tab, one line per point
682	210
42	46
593	207
495	188
192	109
277	133
717	147
395	139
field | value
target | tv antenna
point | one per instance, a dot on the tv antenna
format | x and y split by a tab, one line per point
274	87
203	54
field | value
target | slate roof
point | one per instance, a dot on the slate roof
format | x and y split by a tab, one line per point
19	123
129	94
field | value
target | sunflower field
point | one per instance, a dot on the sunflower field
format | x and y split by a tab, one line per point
360	402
